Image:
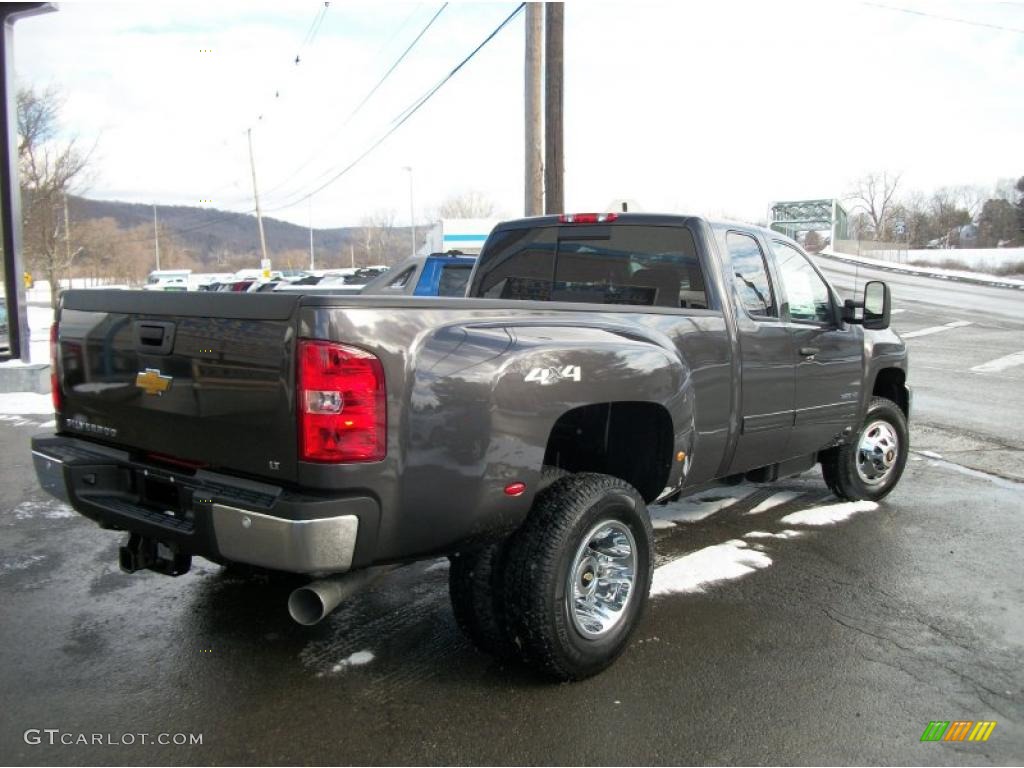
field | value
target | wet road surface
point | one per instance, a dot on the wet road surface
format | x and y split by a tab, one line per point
840	648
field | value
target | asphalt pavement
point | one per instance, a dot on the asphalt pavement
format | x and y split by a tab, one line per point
787	629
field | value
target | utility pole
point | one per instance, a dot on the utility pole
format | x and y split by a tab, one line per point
534	124
156	238
554	166
67	233
412	212
265	265
352	254
312	257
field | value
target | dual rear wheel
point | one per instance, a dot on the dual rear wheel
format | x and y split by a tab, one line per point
565	592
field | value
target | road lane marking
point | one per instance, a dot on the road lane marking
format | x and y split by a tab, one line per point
937	329
1000	363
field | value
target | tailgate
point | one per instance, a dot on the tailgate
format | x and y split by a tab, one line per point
201	377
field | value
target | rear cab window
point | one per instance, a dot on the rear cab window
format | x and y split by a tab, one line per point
453	280
625	264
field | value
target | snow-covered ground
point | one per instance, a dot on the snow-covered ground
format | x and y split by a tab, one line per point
929	271
25	404
976	258
39	321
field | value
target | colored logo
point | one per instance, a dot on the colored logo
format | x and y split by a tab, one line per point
958	730
152	382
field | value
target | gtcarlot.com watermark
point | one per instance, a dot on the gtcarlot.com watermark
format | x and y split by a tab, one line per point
55	737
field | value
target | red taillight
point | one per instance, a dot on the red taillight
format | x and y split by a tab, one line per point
587	218
58	401
340	399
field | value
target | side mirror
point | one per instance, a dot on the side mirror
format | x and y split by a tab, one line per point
876	305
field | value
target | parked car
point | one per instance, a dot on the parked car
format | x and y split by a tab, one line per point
601	363
439	274
168	280
236	286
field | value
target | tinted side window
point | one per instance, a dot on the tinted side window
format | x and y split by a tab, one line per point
453	280
402	279
806	292
750	274
609	264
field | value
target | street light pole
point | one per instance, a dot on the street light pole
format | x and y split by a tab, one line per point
156	238
412	211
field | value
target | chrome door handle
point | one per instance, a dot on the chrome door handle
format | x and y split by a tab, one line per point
809	351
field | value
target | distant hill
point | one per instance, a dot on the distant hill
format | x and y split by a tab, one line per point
208	231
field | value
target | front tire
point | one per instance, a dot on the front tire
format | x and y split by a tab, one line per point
870	466
577	575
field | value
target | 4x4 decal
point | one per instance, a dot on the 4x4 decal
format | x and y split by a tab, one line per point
554	375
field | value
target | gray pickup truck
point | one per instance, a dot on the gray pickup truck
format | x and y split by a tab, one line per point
599	363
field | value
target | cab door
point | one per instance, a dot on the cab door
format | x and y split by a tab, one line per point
829	358
767	385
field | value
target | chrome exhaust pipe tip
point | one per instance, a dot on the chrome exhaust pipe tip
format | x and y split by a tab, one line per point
312	603
307	606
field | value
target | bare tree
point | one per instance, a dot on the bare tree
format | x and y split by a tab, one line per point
874	196
50	167
468	205
379	238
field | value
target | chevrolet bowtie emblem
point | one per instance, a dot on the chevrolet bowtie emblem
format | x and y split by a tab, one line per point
152	382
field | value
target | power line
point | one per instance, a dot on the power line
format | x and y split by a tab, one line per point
969	22
395	65
406	114
307	40
403	117
362	103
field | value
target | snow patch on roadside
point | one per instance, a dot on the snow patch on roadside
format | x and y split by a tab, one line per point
357	659
786	534
697	570
50	510
775	500
19	563
25	403
660	524
696	508
830	514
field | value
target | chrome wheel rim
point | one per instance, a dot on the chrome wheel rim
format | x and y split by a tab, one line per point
602	578
877	453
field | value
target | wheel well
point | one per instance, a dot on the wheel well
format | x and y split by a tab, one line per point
890	383
629	440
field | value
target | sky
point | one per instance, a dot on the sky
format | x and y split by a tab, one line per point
717	108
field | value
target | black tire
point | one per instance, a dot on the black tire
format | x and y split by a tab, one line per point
839	465
537	566
475	588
